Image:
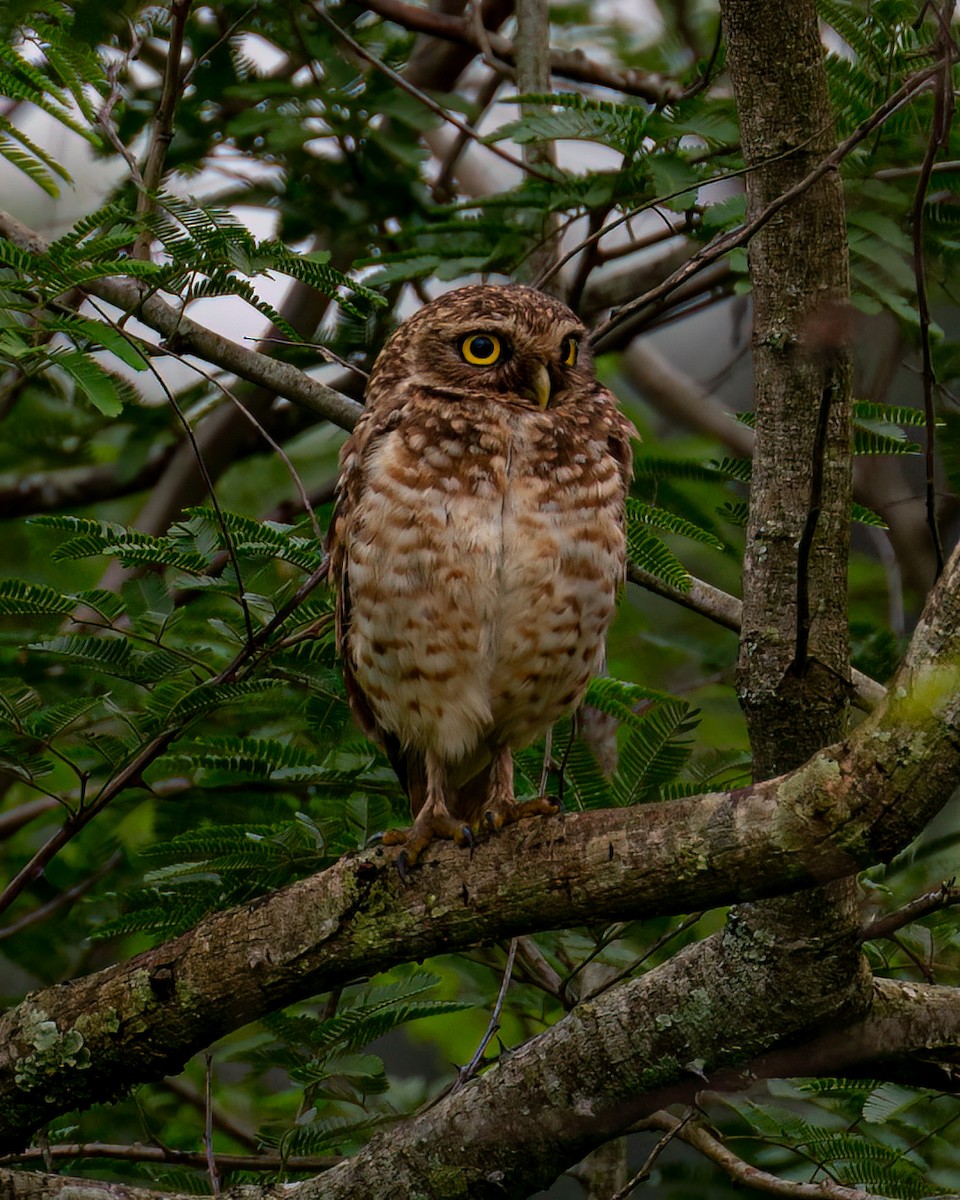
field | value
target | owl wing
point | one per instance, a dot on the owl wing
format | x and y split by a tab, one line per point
368	432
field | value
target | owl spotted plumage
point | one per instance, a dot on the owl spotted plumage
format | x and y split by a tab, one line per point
477	547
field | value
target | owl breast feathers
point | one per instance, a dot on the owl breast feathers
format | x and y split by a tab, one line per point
477	547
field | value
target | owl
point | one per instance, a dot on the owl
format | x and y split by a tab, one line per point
477	547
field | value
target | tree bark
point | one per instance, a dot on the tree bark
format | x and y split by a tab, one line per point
793	669
558	1095
848	807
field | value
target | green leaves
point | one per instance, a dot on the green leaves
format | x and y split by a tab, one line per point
619	125
324	1055
862	1133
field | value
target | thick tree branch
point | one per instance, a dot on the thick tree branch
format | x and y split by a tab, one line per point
561	1111
848	807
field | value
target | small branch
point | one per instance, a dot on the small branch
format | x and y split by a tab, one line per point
533	77
427	101
212	1172
740	237
939	136
648	1163
50	492
65	899
743	1173
152	172
814	509
945	896
568	64
536	968
726	610
15	819
189	337
185	1091
465	1074
183	1158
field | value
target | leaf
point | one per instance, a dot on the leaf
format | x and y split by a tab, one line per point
651	554
96	383
17	596
658	518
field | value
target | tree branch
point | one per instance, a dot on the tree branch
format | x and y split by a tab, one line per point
606	1060
187	336
749	1176
740	237
849	806
726	610
568	64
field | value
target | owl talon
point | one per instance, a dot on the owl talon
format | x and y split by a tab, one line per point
508	812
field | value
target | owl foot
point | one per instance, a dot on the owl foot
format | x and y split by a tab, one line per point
428	827
506	812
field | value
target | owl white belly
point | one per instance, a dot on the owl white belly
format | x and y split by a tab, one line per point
481	590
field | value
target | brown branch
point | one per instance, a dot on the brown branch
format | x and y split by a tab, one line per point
885	926
15	818
602	1057
163	1154
742	235
50	492
161	136
62	900
745	1175
187	336
568	64
939	136
726	610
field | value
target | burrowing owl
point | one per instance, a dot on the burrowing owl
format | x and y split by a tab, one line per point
477	547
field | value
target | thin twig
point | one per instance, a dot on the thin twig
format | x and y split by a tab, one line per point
428	101
270	440
663	940
170	91
465	1074
442	189
939	136
740	236
180	1087
328	354
650	1160
65	899
186	1158
208	1124
946	895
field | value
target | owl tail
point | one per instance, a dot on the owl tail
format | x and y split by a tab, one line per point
465	802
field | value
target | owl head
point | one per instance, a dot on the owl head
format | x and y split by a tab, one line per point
520	346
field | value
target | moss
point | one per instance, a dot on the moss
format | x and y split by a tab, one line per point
51	1049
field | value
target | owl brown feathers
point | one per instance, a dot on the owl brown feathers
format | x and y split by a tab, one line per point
477	547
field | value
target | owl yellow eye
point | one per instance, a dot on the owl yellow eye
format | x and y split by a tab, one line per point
568	351
481	349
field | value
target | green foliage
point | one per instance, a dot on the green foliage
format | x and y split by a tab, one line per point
322	1053
188	672
861	1133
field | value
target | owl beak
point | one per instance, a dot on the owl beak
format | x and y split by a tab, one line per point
540	386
